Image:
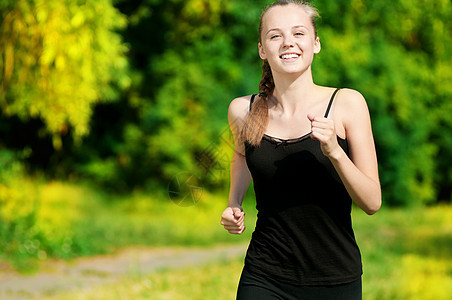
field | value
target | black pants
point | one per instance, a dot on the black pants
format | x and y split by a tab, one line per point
257	287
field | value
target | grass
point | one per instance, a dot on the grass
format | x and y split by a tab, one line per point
213	281
407	255
68	221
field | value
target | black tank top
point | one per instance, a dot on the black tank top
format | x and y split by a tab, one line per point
304	232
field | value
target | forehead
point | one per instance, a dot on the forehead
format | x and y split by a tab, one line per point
285	16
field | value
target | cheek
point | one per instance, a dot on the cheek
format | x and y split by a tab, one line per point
308	47
306	44
268	51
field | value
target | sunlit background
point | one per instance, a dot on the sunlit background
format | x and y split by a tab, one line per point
113	133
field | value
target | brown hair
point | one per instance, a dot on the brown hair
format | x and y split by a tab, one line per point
257	119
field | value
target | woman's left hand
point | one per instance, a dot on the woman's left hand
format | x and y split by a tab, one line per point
322	129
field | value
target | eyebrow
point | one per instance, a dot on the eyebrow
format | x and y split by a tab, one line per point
296	26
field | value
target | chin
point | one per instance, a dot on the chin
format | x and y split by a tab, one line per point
294	70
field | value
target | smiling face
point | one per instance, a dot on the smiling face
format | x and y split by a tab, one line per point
288	39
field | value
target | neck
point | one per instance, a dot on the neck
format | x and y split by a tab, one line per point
292	91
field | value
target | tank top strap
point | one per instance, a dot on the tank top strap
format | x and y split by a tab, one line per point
252	100
331	102
327	110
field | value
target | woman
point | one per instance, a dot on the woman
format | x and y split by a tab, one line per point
310	151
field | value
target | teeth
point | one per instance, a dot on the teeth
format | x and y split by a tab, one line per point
285	56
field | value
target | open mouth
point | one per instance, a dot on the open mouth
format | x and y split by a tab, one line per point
289	56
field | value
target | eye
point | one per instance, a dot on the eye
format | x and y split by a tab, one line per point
274	36
299	33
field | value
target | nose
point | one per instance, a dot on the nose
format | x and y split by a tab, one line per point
288	41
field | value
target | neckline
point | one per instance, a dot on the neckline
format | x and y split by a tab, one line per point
291	140
278	140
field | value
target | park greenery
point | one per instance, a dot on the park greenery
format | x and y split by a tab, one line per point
405	255
127	94
104	102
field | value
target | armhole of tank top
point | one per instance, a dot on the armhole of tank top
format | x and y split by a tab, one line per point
327	112
252	100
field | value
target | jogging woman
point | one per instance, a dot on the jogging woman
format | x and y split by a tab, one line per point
310	152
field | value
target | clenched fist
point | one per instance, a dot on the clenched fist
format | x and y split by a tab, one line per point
233	220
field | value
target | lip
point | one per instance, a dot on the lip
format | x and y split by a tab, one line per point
286	53
291	58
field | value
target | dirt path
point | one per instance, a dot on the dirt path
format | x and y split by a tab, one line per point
85	273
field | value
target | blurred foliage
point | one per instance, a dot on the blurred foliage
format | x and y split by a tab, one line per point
18	206
406	256
40	220
59	58
396	53
188	69
173	66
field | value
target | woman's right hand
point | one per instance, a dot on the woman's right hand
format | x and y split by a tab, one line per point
233	220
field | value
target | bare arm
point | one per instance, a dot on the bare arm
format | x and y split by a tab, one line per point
240	180
359	173
233	216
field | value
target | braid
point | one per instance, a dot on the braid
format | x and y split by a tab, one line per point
266	86
257	119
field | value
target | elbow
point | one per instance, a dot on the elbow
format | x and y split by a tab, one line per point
372	210
374	206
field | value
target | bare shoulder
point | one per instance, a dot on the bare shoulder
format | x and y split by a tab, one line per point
237	112
351	110
238	108
351	99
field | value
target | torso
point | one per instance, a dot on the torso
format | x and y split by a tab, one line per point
289	127
303	235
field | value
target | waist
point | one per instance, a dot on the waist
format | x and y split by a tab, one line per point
305	245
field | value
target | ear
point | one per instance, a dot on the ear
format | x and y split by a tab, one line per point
261	51
317	45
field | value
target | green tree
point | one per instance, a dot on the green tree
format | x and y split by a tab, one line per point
58	59
202	54
190	58
189	66
395	52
